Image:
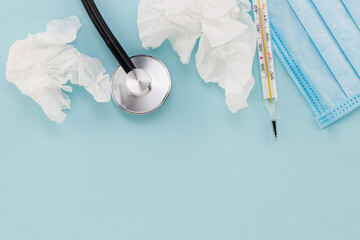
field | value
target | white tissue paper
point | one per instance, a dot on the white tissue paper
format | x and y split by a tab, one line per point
41	65
227	45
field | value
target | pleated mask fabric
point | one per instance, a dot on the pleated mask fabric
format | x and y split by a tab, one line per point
354	9
318	42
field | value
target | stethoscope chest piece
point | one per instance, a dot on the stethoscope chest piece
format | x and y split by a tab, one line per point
144	89
141	84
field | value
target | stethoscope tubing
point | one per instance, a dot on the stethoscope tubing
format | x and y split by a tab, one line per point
109	38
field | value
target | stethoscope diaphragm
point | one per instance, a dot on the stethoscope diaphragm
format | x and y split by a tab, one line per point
144	89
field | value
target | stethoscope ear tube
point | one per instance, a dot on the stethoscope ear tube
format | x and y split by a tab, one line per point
109	38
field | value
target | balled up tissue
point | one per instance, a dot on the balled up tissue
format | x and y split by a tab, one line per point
41	65
227	39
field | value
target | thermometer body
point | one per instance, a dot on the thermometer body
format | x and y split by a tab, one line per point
266	59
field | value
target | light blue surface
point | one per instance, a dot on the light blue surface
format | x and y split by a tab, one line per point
191	170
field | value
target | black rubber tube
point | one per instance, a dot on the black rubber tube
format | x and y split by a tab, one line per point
109	38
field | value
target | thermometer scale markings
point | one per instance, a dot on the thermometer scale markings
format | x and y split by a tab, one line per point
265	51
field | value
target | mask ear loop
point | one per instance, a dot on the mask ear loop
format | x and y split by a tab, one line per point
109	38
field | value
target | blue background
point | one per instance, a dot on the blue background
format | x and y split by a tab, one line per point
192	170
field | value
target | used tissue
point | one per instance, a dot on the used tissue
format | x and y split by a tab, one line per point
41	65
227	39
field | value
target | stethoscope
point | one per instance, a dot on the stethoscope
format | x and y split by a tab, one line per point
141	84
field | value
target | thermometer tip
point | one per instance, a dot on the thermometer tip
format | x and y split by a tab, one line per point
274	128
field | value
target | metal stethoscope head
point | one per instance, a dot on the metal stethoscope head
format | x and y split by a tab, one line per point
141	84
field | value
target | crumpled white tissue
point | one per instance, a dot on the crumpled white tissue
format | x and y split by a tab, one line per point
227	45
41	65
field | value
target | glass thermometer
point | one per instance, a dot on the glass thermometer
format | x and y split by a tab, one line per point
266	60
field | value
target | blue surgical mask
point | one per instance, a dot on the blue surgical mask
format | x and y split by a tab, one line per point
354	9
318	42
